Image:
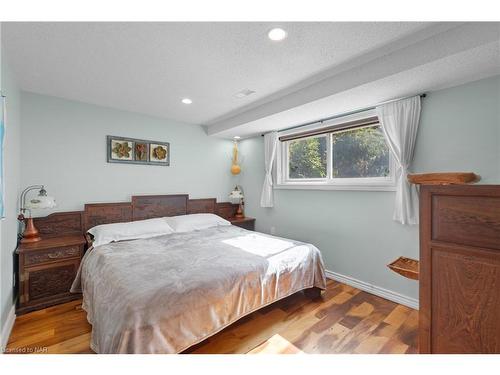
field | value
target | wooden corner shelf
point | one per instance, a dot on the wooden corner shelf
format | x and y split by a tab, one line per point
445	178
406	267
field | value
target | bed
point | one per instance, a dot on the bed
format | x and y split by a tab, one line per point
166	293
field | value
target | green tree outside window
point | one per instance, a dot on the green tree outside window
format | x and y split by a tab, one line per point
356	153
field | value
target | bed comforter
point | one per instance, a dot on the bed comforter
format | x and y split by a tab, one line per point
167	293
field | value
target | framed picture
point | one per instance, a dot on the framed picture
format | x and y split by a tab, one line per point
141	151
137	151
121	149
159	153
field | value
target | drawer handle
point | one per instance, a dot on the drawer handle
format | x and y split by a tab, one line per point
61	254
56	255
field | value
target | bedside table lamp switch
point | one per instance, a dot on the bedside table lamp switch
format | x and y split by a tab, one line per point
41	201
237	193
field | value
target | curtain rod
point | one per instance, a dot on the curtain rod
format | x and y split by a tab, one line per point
348	113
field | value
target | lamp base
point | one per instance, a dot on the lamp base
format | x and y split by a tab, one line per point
30	234
239	212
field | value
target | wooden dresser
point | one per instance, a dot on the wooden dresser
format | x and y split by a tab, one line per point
48	267
459	269
244	222
46	271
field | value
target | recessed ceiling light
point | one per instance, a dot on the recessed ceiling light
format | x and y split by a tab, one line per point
237	137
277	34
187	101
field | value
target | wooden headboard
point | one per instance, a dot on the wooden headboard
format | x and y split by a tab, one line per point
141	207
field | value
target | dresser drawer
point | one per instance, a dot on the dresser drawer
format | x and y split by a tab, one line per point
51	255
246	223
466	220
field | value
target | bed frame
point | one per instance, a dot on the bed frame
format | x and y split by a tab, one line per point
139	208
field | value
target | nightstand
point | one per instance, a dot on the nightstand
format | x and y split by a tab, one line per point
245	222
47	269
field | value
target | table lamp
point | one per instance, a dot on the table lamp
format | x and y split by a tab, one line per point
237	193
31	234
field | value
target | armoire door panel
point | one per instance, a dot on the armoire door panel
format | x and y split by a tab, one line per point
465	290
50	281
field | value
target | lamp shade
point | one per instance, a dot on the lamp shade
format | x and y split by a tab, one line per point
41	201
236	194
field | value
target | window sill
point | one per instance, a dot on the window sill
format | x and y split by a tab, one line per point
345	187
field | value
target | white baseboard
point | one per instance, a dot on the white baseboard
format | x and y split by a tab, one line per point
7	328
374	289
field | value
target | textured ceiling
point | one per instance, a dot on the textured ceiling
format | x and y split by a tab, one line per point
150	67
471	65
443	58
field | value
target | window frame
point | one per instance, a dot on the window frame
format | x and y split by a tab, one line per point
328	183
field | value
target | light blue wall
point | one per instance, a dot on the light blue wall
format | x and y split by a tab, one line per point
459	131
12	153
64	147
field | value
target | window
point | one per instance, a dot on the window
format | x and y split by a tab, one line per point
307	158
345	155
359	152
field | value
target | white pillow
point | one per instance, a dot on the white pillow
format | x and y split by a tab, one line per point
107	233
188	223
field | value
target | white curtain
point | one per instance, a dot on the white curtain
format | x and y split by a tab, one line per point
270	146
399	121
2	137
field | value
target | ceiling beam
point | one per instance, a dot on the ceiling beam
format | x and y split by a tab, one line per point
431	44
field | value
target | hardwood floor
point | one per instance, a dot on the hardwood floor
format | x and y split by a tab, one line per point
343	320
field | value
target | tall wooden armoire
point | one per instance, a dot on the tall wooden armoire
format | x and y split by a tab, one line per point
459	269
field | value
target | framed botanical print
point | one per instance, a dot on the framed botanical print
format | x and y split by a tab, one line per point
141	151
159	153
121	149
137	151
